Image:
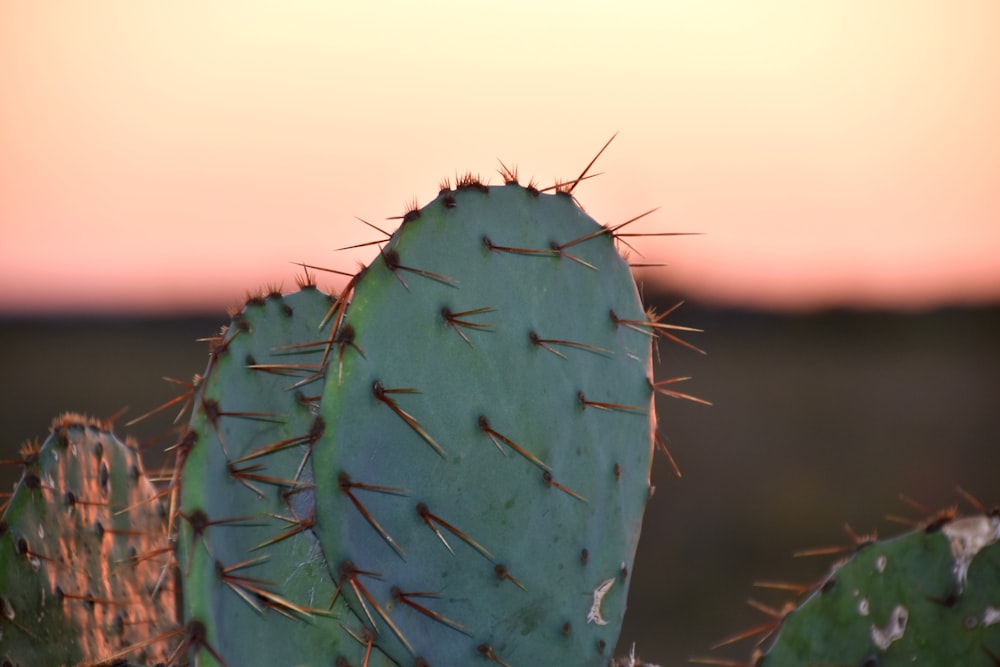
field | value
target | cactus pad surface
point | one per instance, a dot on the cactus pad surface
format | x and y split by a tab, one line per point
255	579
489	427
929	597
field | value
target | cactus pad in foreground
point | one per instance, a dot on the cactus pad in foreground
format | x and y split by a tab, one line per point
489	427
84	557
930	597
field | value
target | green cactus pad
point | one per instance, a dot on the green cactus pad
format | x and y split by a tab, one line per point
84	556
930	597
482	476
256	584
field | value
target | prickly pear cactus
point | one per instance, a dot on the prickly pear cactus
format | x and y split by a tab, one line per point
488	415
257	587
84	557
930	597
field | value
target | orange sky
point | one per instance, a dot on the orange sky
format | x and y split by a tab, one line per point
164	155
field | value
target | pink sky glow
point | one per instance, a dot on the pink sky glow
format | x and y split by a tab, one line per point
159	157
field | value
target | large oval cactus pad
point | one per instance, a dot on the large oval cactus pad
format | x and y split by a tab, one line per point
485	465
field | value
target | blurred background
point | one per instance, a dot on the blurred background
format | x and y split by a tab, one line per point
841	160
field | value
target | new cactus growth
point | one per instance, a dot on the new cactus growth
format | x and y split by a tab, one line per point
927	597
84	557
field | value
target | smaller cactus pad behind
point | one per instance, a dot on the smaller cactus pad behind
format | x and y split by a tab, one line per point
84	556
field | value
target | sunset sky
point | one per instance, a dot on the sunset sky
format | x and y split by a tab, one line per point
162	156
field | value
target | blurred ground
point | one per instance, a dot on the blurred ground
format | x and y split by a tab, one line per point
819	420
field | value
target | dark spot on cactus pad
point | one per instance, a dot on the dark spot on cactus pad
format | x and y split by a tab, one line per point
601	645
504	574
345	335
98	449
411	215
187	443
316	429
486	651
198	521
346	571
211	409
624	573
249	360
103	477
449	200
948	602
391	259
869	661
242	324
470	180
32	481
618	471
584	556
256	299
828	585
567	628
937	523
99	530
